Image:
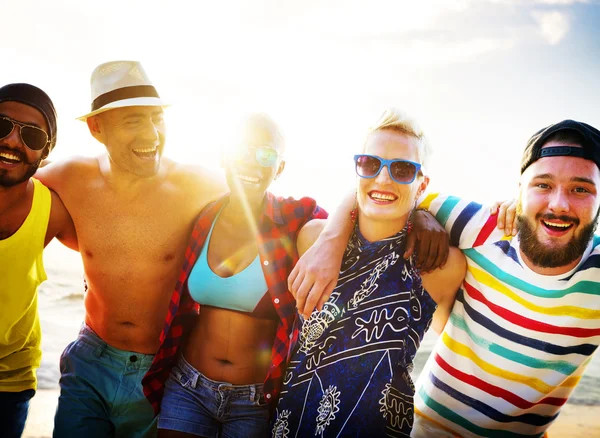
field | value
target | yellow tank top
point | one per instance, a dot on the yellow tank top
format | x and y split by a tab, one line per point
21	272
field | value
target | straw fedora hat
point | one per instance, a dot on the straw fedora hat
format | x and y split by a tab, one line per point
118	84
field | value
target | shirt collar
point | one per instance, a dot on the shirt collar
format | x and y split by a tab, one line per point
272	208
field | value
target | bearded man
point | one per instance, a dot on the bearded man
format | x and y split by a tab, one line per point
30	217
527	318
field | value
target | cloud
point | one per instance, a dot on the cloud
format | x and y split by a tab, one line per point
560	2
553	25
526	3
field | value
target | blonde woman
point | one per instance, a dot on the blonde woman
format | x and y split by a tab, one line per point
350	371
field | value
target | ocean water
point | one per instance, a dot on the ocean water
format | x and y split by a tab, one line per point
61	313
60	302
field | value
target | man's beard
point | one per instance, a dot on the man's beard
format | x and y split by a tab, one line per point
6	181
553	257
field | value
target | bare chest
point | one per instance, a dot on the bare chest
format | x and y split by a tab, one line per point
12	219
153	226
229	252
9	226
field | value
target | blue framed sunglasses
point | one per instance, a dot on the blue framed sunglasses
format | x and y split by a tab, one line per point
401	171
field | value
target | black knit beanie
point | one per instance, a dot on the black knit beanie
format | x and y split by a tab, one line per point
33	96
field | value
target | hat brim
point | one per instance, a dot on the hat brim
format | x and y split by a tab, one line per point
136	101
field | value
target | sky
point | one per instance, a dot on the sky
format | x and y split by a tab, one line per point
481	76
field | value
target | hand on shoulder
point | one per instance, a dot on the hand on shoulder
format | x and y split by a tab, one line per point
316	273
429	239
507	216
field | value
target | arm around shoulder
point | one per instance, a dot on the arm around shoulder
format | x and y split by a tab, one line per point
442	285
309	234
58	175
60	224
469	223
315	275
207	184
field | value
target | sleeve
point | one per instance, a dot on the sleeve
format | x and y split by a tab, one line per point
297	212
318	212
468	224
177	324
311	211
188	310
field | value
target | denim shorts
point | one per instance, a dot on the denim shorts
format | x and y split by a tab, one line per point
195	404
101	391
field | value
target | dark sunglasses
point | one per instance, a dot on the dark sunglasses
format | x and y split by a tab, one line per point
264	155
33	137
401	171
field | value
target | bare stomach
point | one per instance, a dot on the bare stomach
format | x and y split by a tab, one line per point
125	321
230	346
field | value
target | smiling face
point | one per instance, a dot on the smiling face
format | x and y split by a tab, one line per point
259	143
134	137
383	203
17	162
557	211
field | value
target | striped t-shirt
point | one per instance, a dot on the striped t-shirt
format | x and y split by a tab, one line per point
516	343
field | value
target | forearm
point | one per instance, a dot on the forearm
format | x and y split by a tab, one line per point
315	275
469	223
339	225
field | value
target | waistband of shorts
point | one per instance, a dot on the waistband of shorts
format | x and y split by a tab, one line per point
196	376
91	338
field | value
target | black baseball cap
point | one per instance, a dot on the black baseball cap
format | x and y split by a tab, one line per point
590	144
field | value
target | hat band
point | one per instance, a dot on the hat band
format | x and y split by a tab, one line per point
562	151
124	93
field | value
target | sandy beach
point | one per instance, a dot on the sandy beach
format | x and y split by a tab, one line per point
41	414
574	422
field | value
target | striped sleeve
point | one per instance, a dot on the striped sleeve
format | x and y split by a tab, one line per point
468	224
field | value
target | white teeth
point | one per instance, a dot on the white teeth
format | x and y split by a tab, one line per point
552	224
382	197
9	156
146	150
247	178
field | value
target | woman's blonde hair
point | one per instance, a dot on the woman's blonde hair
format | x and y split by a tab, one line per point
394	119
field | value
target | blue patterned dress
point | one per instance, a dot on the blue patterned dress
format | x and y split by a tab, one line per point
349	372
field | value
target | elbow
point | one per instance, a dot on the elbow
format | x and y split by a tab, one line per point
441	315
439	322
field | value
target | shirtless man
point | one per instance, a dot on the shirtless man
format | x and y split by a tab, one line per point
133	212
30	217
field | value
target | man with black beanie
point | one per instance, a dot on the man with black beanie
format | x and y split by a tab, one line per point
30	216
20	166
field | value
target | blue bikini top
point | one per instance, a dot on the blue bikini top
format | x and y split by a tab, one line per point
245	291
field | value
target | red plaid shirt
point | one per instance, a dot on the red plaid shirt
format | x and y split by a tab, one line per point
280	222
